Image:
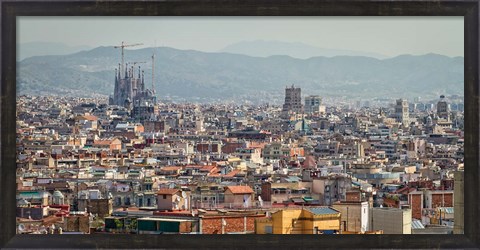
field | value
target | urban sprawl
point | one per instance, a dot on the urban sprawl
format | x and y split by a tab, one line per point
132	164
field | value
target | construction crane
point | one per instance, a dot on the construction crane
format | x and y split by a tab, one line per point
122	47
153	72
153	66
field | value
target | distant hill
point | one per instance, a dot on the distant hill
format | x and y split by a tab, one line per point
261	48
47	48
189	74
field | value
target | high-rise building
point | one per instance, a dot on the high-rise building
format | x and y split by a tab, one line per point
443	108
401	111
313	104
293	100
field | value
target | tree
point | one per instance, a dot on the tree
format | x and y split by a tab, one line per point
132	225
118	223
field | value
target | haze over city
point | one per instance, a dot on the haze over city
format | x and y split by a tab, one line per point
388	36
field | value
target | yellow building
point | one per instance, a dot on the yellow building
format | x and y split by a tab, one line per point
314	220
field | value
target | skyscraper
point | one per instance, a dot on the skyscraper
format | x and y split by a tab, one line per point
443	108
401	111
293	100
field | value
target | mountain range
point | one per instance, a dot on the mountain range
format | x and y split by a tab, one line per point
30	49
262	48
190	74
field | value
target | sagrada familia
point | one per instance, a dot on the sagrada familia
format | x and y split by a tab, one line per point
130	92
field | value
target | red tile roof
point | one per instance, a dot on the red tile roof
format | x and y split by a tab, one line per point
232	173
48	221
87	117
240	189
257	144
169	191
171	168
207	168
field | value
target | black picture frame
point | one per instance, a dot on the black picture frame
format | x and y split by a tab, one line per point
10	9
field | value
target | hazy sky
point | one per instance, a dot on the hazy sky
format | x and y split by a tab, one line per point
389	36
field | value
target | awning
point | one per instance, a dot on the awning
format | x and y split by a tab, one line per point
307	198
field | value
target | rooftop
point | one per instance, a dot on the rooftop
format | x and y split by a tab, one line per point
170	191
322	210
240	189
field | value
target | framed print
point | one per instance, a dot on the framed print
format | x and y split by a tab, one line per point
162	124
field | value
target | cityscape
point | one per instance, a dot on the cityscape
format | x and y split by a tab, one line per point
287	161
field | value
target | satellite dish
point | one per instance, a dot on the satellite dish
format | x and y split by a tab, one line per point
184	194
21	227
178	199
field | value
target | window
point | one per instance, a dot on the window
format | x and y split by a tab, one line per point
268	230
164	196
